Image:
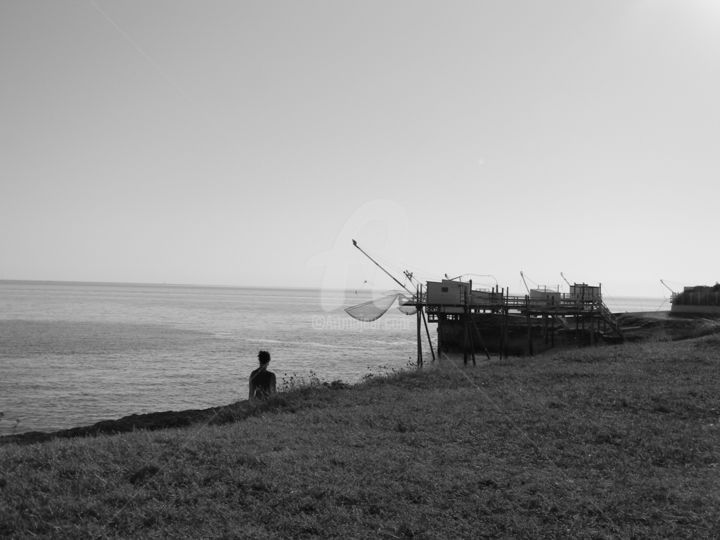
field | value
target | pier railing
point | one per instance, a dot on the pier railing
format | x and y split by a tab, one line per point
556	306
497	302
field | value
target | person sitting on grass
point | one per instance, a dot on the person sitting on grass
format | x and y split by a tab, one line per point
262	381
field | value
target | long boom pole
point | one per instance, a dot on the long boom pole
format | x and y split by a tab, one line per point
418	305
667	287
522	275
381	268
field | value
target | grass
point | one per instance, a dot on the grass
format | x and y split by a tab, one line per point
600	442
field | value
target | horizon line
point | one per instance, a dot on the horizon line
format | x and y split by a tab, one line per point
211	286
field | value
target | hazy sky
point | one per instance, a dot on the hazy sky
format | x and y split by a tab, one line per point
246	143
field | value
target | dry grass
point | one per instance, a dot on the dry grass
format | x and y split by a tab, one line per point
603	442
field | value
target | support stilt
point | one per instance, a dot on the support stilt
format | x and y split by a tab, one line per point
418	316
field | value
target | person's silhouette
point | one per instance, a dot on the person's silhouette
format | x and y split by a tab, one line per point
262	381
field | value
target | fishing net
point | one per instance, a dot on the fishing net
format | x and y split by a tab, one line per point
374	309
406	305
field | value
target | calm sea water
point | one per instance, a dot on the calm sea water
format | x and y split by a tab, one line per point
76	353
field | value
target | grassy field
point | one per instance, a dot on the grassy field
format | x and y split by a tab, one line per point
602	442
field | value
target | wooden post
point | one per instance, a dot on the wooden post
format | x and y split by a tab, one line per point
441	323
468	302
501	345
418	314
506	310
528	303
506	323
427	330
465	338
466	328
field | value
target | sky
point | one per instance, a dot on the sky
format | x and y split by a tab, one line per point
248	142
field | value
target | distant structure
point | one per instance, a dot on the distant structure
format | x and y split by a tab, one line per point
471	321
697	300
488	321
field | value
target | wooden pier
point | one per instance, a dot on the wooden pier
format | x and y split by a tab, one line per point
494	321
486	321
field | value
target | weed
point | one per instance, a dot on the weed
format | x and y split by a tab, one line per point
295	381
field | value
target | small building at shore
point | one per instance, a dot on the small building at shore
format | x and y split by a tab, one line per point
697	300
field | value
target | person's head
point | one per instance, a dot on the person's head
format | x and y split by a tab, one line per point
264	358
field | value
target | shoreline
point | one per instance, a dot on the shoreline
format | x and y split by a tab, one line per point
638	326
234	412
616	441
133	422
147	422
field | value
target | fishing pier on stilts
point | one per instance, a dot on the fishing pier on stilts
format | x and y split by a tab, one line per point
489	321
494	321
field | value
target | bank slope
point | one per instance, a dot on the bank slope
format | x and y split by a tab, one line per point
607	442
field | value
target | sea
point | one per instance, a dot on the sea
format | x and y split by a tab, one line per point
72	354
